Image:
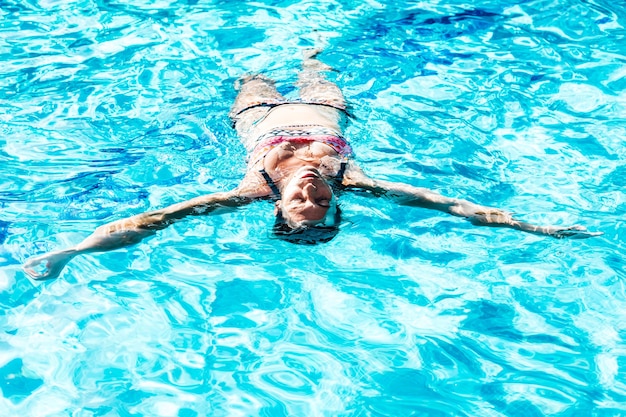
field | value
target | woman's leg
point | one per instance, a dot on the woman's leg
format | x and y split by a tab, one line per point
256	95
314	87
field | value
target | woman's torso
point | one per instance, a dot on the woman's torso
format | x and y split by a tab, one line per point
294	135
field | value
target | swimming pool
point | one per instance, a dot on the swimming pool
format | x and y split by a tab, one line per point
111	108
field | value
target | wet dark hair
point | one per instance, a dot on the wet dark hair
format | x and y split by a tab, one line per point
305	235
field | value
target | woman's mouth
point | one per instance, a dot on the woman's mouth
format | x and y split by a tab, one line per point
310	173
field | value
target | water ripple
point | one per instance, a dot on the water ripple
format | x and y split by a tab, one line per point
110	108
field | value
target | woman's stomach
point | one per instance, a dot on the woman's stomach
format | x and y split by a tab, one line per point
300	114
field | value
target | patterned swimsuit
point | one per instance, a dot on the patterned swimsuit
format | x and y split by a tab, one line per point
299	134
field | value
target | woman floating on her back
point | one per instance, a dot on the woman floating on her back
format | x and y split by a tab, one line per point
297	157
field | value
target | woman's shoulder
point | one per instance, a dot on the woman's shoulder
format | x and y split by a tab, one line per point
253	185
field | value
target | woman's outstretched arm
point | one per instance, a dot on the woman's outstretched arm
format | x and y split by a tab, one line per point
479	215
132	230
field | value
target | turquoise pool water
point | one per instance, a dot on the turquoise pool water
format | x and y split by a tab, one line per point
111	108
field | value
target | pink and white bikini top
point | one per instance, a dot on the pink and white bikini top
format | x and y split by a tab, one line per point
299	134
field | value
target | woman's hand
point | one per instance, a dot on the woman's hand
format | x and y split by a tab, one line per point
573	232
48	266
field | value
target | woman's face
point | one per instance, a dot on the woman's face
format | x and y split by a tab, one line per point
307	198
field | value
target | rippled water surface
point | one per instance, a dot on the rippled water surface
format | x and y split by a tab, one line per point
111	108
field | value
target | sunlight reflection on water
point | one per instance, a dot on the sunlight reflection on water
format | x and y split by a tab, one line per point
110	109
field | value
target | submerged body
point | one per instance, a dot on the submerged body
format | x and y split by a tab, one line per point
297	156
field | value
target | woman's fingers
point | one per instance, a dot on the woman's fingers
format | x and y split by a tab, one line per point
37	268
575	232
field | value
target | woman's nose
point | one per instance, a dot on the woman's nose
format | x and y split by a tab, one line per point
309	190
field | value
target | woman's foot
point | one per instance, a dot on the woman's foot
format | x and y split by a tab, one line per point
310	61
